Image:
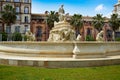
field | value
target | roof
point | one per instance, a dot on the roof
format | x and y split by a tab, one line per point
43	15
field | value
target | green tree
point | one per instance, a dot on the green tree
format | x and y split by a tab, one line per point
114	22
77	22
8	15
52	17
98	22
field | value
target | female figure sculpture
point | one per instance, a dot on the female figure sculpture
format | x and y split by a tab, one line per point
61	13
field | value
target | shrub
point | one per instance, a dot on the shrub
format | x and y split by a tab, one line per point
117	39
17	36
25	38
89	38
4	36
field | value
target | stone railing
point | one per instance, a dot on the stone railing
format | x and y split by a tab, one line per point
76	50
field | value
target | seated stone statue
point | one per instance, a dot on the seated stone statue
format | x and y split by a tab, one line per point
29	35
100	36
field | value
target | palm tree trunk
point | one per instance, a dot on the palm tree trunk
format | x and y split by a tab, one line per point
113	35
9	33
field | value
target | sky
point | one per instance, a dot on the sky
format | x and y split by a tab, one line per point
84	7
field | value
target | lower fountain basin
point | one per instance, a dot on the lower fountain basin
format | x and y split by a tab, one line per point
49	54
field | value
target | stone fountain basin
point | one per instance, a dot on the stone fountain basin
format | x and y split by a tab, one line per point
75	50
37	49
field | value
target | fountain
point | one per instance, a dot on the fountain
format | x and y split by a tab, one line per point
61	50
62	30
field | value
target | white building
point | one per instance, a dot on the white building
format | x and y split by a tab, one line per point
23	8
117	9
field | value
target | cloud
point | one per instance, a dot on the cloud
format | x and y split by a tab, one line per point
99	8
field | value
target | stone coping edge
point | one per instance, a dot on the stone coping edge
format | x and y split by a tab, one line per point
92	42
60	64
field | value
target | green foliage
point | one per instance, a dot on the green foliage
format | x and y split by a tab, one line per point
117	39
114	22
4	36
98	22
25	38
77	22
17	36
89	38
52	17
33	73
8	15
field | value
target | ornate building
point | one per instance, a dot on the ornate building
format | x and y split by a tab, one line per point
40	29
117	8
23	8
39	26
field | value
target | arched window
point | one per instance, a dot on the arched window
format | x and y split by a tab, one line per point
88	31
26	10
38	33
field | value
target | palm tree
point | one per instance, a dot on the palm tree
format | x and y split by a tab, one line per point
114	22
77	22
8	15
98	21
52	17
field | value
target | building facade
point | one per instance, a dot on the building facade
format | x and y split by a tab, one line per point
39	27
117	9
23	10
41	30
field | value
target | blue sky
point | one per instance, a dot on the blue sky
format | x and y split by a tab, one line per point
84	7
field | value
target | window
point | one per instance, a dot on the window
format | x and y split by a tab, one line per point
26	10
88	31
16	0
8	0
26	19
26	28
26	1
18	17
17	29
118	8
1	28
0	8
38	33
17	9
8	29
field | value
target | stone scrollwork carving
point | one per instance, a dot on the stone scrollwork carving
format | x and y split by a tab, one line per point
29	35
